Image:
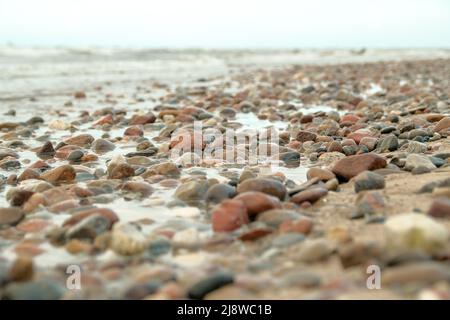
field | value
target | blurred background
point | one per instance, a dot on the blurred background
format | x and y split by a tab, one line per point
226	23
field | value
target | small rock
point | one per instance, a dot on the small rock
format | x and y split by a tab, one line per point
229	215
10	216
127	239
64	173
303	225
22	269
369	142
213	282
351	166
275	217
322	174
419	272
89	228
257	202
142	119
440	208
82	140
121	171
368	180
101	146
168	169
416	147
219	192
313	251
369	204
310	195
303	136
414	161
443	124
268	186
144	189
192	190
134	131
415	231
389	143
46	151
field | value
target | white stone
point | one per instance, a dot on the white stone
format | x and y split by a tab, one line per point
415	231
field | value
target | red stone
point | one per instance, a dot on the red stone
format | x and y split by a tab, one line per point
229	215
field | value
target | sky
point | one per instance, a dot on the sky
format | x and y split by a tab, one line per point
226	23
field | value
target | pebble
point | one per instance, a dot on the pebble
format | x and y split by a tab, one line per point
10	216
440	208
134	131
89	228
127	239
368	180
442	125
415	161
144	189
64	173
168	169
143	119
304	136
322	174
121	171
268	186
310	195
275	217
229	215
416	147
369	142
83	214
101	146
419	272
415	231
219	192
46	151
313	251
192	190
351	166
209	284
369	204
387	144
22	269
82	140
257	202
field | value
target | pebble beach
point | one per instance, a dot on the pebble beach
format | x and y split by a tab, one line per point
359	177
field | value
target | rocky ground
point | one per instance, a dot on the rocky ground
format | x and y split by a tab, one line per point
364	180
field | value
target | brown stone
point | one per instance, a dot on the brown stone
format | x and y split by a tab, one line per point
121	171
10	216
22	269
322	174
257	202
133	131
142	119
349	167
64	173
310	195
440	208
443	124
268	186
303	136
229	215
